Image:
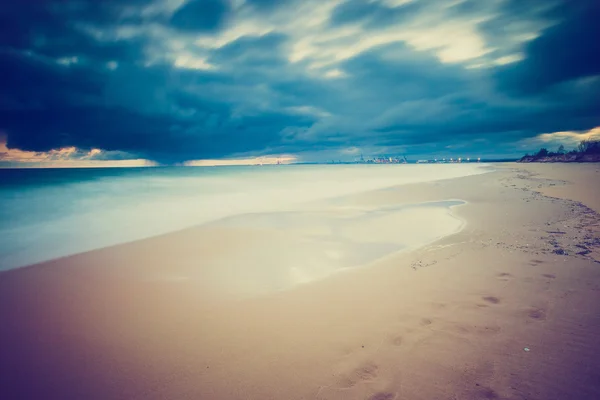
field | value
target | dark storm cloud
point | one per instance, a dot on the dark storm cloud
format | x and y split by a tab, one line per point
149	111
468	8
414	76
52	28
198	79
422	100
374	13
33	82
155	136
269	5
566	51
247	52
354	11
201	15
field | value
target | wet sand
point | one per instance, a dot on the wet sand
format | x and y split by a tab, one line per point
507	308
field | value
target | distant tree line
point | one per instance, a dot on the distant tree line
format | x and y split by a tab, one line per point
585	147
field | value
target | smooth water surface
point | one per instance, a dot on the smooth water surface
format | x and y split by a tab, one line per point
50	213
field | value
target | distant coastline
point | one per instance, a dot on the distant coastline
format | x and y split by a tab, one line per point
565	158
587	151
428	161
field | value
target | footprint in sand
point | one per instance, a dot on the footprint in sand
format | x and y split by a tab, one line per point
491	299
478	330
383	396
426	322
549	276
487	393
504	276
535	262
537	314
439	306
364	373
397	341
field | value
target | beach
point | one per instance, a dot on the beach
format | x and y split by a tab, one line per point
485	286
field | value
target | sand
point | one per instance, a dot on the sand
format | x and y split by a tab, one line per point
507	308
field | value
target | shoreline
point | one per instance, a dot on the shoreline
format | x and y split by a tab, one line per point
60	236
450	319
292	232
220	221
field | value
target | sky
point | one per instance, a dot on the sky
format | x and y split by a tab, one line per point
147	82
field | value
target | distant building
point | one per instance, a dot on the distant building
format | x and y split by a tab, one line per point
382	160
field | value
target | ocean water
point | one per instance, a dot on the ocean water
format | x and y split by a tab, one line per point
51	213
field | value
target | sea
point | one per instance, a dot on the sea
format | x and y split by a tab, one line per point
51	213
